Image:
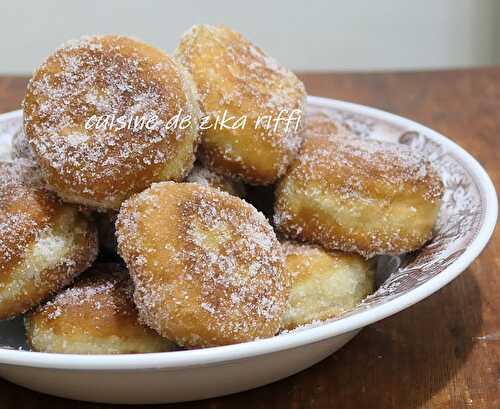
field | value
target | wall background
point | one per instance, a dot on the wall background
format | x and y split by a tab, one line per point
360	35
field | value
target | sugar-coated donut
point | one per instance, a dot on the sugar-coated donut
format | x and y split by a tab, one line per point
206	177
320	123
359	195
20	147
236	78
106	116
94	316
44	243
324	284
207	267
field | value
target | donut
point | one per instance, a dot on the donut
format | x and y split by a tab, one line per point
44	243
359	195
241	91
20	147
94	316
320	123
204	176
106	116
324	284
207	267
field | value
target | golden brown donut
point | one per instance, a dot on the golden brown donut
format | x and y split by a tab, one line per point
320	123
235	77
205	177
44	243
76	118
207	267
359	195
94	316
324	284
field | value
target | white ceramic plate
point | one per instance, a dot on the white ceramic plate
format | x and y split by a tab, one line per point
468	217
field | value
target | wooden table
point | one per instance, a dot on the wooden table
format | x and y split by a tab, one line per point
443	352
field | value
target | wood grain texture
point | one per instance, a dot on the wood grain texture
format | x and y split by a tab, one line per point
443	352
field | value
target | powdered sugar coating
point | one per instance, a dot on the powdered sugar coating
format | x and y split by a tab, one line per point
101	279
207	266
234	76
95	315
109	77
44	243
205	177
359	195
321	123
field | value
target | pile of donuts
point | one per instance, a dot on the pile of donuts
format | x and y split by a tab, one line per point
124	240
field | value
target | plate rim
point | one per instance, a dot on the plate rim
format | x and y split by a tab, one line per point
221	355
